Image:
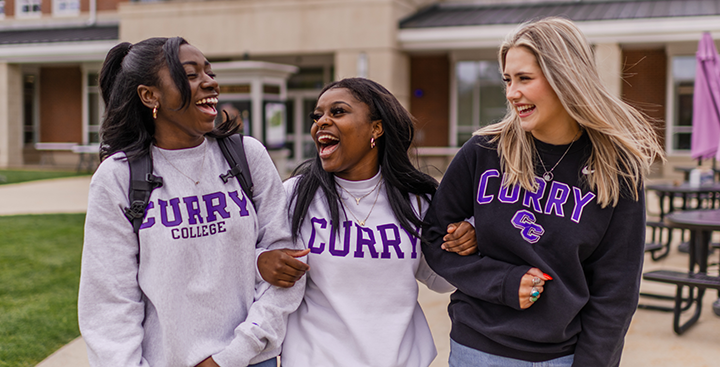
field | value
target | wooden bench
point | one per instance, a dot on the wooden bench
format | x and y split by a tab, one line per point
47	149
435	157
88	157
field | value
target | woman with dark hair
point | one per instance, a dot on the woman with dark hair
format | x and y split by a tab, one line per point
358	207
182	291
556	190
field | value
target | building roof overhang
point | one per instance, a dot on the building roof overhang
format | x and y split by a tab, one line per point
656	30
465	26
63	44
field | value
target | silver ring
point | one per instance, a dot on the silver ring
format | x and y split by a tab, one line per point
534	292
536	281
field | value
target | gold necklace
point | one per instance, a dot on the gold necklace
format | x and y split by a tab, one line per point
357	200
548	175
362	222
202	165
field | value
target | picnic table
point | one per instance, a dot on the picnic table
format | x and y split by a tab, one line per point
701	224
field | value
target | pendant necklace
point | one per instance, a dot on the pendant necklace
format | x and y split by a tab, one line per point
357	200
548	175
202	165
362	222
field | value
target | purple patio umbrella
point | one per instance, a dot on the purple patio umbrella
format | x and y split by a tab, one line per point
706	101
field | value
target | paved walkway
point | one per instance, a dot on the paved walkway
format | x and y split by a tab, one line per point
650	340
60	195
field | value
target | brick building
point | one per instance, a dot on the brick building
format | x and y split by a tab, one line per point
50	53
438	58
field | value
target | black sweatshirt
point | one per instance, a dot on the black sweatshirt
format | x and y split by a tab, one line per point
594	255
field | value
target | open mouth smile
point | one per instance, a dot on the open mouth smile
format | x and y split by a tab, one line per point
207	105
327	144
525	110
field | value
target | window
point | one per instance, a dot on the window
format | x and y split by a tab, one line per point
299	141
480	97
94	109
307	78
680	131
66	7
303	89
27	8
29	93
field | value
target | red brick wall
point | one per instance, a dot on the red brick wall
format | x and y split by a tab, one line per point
9	8
430	99
645	73
46	7
61	104
108	4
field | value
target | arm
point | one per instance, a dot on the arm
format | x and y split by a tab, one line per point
110	306
434	282
259	337
460	238
281	267
454	201
613	275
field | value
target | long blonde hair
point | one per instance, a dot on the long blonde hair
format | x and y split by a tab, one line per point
624	143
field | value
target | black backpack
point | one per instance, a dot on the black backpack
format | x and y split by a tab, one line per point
143	182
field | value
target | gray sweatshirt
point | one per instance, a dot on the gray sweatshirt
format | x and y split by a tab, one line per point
193	293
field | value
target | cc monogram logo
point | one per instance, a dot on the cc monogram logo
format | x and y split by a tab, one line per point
524	220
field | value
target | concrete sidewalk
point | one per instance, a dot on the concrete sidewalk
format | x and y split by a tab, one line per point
60	195
650	340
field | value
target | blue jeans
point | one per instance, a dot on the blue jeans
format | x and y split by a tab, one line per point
272	362
462	356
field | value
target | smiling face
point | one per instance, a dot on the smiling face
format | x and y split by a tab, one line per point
534	100
342	133
177	128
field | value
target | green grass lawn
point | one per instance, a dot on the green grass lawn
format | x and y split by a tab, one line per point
39	274
15	176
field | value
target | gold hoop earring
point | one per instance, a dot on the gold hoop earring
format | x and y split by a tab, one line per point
155	108
372	143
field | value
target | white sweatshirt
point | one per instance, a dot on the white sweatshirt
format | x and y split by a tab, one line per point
192	294
360	306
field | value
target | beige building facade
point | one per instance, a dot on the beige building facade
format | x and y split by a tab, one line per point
50	53
437	57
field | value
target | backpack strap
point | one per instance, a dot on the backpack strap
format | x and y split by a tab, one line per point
142	183
234	151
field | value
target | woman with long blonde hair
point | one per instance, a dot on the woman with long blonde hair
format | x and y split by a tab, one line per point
556	190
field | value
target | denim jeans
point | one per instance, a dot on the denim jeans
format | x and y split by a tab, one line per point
272	362
462	356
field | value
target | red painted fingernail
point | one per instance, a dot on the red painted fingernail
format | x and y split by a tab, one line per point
548	277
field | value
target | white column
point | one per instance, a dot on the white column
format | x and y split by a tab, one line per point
256	95
608	57
11	122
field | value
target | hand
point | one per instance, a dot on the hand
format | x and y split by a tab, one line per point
527	285
460	238
208	362
281	268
